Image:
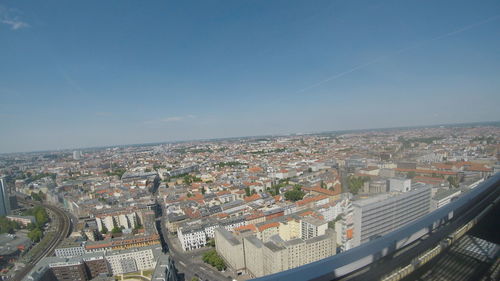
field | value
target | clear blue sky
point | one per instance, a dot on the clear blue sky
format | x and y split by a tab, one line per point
88	73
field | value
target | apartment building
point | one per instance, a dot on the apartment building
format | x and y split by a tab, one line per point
192	237
231	248
376	216
258	258
312	227
131	260
70	247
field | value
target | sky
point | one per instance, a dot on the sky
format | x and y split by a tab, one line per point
96	73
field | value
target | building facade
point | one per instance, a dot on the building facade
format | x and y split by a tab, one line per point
4	198
379	215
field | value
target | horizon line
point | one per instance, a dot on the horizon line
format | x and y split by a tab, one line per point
249	136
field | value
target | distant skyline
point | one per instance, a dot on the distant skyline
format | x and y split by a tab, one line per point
94	73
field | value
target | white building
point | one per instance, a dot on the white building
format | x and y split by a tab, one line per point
379	215
312	227
443	197
191	237
131	260
399	184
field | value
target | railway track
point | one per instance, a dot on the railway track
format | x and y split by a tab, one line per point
63	230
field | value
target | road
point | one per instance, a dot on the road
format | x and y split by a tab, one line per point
184	262
64	228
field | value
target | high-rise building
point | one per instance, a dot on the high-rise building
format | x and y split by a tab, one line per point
399	184
77	155
379	215
4	198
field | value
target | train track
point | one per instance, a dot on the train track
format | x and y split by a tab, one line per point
63	230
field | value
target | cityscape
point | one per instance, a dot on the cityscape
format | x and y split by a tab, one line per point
263	140
238	208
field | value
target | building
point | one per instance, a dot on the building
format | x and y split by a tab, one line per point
192	237
381	214
4	198
69	271
23	220
279	255
443	197
70	247
96	265
77	155
399	184
11	247
254	260
230	247
312	227
248	253
123	243
132	260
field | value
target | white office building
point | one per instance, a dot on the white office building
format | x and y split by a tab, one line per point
379	215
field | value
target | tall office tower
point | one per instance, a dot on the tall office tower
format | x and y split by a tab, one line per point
77	155
381	214
4	198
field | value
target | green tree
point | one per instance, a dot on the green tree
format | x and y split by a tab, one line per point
211	257
116	230
40	214
453	181
203	190
195	279
35	235
247	191
356	183
411	175
331	224
104	229
211	243
36	196
7	226
294	195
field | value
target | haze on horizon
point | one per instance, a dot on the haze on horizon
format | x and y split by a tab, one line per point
95	73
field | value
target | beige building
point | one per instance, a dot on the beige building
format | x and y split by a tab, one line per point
254	260
290	229
259	258
279	255
230	247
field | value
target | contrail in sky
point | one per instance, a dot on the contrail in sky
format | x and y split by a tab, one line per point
398	52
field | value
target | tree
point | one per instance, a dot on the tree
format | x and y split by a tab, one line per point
189	195
36	196
211	257
104	229
453	181
203	190
211	242
7	226
355	183
116	230
247	191
331	224
195	279
411	175
40	214
35	235
294	195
